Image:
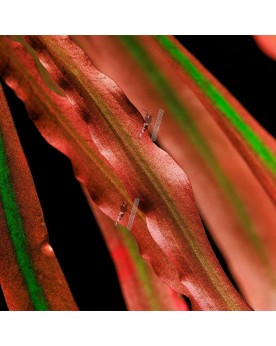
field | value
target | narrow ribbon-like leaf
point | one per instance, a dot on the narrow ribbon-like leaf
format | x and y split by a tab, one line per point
30	275
141	288
237	210
256	146
115	165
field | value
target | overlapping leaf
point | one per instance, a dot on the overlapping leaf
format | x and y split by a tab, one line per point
236	208
98	129
141	288
30	275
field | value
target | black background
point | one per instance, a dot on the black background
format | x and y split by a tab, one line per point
235	61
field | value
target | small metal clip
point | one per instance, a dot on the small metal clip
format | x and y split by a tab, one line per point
123	209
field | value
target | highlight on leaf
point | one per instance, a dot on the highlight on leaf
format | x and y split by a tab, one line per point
95	122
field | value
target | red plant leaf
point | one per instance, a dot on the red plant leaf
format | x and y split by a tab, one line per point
116	166
234	205
267	43
141	288
30	275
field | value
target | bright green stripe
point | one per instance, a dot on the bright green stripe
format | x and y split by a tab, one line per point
182	116
141	268
17	235
257	145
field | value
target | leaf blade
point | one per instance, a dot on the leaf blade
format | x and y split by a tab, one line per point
142	289
256	146
27	259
